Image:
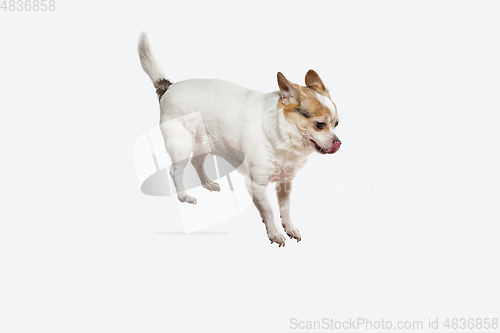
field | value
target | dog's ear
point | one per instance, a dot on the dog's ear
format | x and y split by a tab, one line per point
313	81
289	93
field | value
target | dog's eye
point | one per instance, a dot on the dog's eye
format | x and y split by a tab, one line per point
336	124
320	125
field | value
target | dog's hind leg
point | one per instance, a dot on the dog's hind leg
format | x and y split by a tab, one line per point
179	142
198	162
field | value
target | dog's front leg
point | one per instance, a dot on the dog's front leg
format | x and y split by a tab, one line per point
283	191
261	201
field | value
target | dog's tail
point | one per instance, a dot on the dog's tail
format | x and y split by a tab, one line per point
151	66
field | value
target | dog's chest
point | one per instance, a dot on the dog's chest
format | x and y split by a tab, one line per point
286	166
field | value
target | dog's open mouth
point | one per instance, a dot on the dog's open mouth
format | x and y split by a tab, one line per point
333	149
318	148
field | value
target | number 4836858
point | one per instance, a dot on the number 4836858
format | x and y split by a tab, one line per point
28	5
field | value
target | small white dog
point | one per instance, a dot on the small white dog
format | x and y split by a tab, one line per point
274	132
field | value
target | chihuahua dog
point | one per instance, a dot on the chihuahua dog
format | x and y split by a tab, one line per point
272	132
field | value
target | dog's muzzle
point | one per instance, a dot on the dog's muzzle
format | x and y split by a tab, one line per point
335	147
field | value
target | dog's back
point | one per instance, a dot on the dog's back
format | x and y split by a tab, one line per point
224	107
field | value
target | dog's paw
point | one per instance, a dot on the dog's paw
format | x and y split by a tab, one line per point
212	186
276	237
187	198
292	232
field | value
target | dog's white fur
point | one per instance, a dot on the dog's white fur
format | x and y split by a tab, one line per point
233	119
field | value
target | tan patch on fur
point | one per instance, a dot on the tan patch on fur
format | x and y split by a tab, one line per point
307	100
290	107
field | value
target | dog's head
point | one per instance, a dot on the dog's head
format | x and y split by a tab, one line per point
312	110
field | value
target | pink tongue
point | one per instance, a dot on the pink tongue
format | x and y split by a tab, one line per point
336	146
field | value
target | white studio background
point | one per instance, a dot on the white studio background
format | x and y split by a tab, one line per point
416	85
